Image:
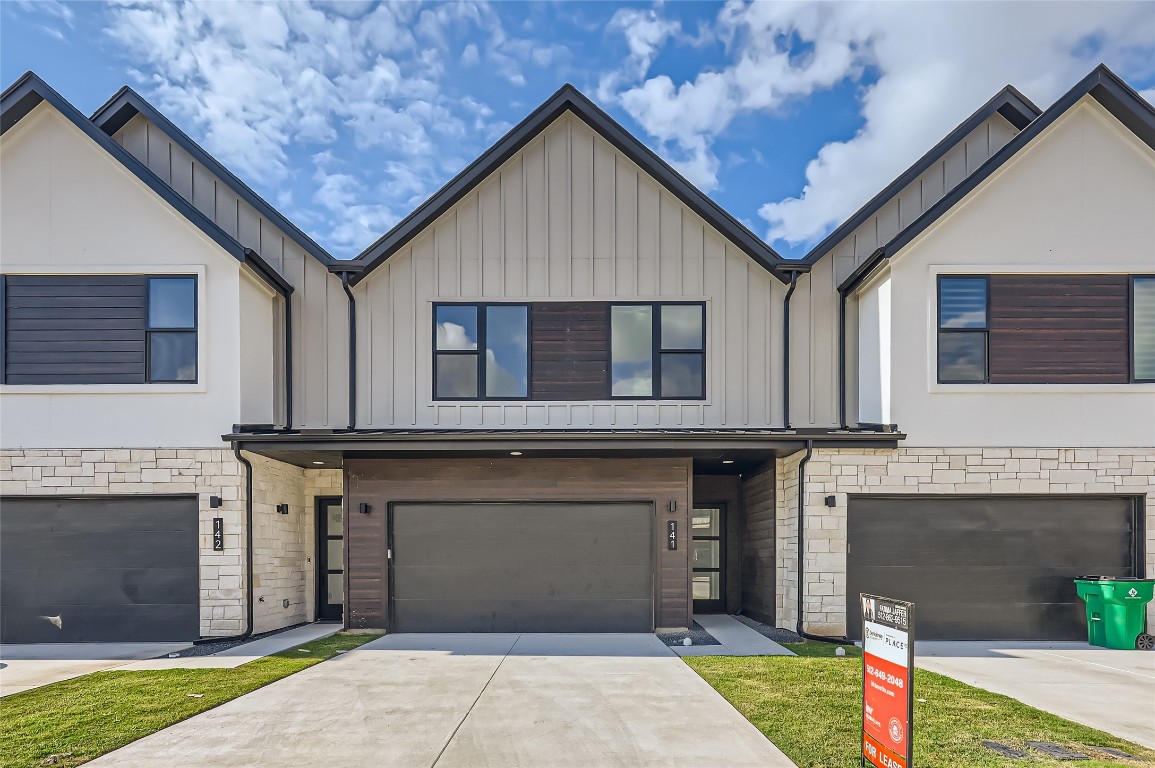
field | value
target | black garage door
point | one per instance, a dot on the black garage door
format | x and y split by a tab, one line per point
522	567
987	568
107	569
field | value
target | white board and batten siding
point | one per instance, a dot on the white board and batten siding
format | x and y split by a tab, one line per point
569	218
320	309
814	337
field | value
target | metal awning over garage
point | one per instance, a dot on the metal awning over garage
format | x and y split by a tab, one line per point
987	567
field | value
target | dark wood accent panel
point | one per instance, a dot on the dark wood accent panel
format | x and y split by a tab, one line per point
569	351
727	490
75	329
758	544
1055	329
380	482
988	567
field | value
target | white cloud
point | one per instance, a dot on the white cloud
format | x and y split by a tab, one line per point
931	65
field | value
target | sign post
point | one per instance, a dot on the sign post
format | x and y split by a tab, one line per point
887	681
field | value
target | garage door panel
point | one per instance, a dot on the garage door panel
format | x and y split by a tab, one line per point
558	567
497	615
107	549
112	569
986	567
94	624
1045	549
97	586
521	582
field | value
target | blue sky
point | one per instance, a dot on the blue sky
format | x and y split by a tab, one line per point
346	115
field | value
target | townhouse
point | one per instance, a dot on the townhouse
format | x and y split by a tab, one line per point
569	392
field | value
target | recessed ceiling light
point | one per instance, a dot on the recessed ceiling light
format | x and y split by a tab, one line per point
515	453
727	461
319	462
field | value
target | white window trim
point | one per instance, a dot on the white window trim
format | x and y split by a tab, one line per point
933	385
203	321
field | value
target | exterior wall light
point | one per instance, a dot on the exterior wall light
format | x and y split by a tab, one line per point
364	508
515	453
283	509
214	502
831	501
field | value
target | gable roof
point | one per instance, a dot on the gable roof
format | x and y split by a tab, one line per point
1103	85
127	104
1016	108
29	91
568	98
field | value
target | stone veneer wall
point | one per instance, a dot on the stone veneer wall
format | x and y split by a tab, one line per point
283	545
850	471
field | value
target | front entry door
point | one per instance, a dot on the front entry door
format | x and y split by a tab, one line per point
708	528
330	557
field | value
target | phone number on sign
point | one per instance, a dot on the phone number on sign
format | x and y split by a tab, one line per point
883	676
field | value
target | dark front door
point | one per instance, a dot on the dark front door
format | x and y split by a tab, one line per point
522	567
987	567
110	569
330	557
708	529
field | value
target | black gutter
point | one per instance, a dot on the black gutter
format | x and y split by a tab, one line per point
352	351
248	556
786	350
802	553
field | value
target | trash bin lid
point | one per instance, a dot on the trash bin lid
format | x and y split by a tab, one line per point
1092	577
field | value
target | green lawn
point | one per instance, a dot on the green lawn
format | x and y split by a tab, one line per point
811	708
82	718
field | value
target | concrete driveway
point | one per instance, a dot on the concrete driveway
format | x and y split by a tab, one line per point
23	667
1113	691
457	701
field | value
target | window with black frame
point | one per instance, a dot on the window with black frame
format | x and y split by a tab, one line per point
658	351
963	329
171	333
481	352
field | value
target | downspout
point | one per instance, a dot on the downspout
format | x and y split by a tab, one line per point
352	351
802	552
842	359
248	556
786	350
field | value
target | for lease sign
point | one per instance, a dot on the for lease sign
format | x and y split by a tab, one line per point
887	677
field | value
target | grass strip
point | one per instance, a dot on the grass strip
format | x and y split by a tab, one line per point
810	707
80	719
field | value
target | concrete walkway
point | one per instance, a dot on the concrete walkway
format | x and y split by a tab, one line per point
243	654
1113	691
31	665
736	638
452	701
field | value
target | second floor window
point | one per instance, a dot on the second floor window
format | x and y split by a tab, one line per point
962	329
481	351
658	351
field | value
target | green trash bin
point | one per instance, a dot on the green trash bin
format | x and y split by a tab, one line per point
1116	611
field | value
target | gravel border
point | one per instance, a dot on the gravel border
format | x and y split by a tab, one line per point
208	649
769	632
697	635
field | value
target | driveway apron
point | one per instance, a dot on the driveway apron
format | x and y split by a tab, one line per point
450	701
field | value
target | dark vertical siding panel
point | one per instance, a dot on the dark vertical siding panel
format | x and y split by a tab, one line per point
74	329
569	351
1053	329
758	561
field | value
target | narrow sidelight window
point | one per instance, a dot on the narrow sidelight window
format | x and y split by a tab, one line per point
963	329
481	351
658	351
1143	328
171	334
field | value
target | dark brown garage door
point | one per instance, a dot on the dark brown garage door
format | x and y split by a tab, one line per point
108	569
987	568
522	567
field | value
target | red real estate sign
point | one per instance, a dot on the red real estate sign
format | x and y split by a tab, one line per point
887	681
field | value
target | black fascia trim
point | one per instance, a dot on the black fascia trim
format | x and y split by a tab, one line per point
266	272
1102	84
1013	106
27	92
127	104
567	98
